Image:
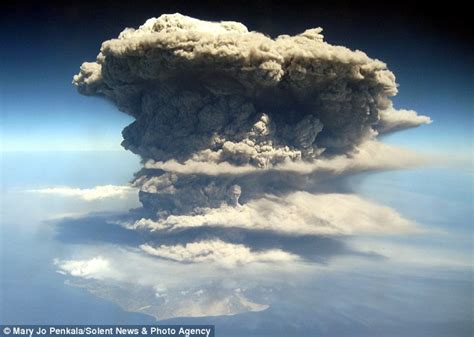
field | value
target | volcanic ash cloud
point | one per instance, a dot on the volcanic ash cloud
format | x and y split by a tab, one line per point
215	93
241	137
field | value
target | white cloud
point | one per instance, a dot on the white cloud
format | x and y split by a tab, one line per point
97	267
371	155
89	194
392	120
298	213
163	288
219	252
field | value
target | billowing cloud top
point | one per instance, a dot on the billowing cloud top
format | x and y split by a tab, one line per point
173	45
214	89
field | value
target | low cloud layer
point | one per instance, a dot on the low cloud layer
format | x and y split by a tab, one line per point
369	156
299	213
96	267
219	252
89	194
157	287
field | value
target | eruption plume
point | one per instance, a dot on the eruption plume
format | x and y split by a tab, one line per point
243	103
242	134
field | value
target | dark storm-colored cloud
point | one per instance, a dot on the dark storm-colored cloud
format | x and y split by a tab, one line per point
216	94
220	91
